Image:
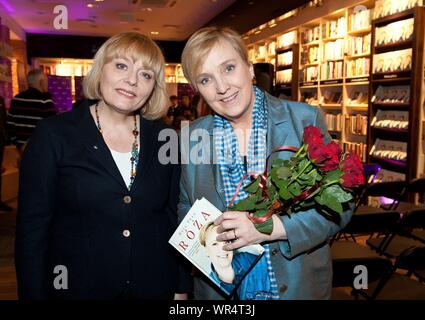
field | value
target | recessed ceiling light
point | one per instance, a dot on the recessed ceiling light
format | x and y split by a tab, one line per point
90	5
98	0
154	32
147	9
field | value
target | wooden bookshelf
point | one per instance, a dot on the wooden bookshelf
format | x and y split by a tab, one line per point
393	81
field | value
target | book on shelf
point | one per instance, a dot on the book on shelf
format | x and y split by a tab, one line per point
358	45
284	76
311	35
385	8
331	70
356	124
388	149
357	148
358	98
357	67
394	32
195	239
334	121
334	50
335	28
391	95
284	59
287	39
394	61
391	119
360	19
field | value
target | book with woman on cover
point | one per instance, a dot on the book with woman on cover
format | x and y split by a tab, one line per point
195	238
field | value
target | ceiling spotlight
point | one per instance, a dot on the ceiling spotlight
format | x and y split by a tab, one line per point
154	32
90	5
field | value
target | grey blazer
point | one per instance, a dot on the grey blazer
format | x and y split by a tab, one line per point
302	263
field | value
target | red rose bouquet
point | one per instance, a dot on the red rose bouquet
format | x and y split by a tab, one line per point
319	175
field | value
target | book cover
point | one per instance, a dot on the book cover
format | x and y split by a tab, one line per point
195	239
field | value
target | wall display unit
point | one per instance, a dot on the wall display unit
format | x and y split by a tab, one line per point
397	84
360	62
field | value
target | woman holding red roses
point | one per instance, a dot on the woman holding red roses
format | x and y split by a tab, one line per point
247	125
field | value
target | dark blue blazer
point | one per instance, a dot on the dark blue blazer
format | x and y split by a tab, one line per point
76	211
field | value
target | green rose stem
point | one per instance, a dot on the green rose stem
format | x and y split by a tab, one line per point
299	173
321	188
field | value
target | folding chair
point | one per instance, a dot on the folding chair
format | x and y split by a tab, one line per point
401	237
346	255
396	286
370	172
414	187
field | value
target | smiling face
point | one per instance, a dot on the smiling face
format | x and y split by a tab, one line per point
214	249
126	84
224	80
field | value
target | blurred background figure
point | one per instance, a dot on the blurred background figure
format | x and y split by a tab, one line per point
169	117
28	108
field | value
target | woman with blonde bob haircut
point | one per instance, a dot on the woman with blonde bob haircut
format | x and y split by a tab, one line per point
94	197
137	47
248	124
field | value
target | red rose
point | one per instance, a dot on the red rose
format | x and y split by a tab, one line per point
317	152
334	148
331	163
353	171
326	156
312	135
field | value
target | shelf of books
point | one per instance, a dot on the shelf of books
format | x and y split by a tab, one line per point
395	108
334	72
287	60
361	65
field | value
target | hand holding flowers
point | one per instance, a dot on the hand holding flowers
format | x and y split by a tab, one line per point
318	176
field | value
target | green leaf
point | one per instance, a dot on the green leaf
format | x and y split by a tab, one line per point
331	202
333	175
281	184
285	194
284	173
244	205
340	194
278	163
295	189
266	227
274	175
319	199
253	186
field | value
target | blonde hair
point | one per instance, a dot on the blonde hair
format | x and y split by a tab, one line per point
201	43
138	47
203	233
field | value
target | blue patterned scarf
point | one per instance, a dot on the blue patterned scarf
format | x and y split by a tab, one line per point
232	170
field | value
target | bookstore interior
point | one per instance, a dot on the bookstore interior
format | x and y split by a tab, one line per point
361	62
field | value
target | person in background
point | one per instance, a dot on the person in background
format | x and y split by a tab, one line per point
247	125
3	141
94	197
170	116
28	108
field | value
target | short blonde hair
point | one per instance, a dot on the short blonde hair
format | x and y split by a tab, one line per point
203	234
200	44
137	47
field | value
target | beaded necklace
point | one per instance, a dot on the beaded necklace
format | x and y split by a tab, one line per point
134	158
